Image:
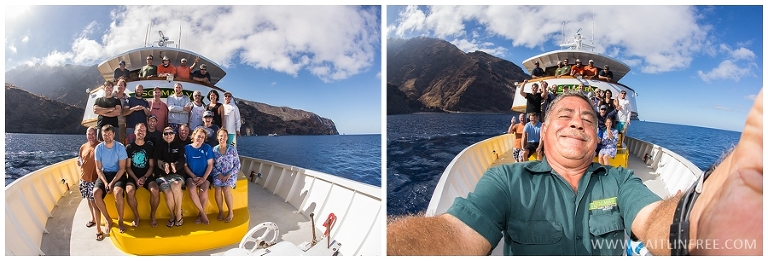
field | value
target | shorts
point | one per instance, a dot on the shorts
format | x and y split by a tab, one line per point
531	147
621	126
86	189
517	153
110	176
165	181
136	182
231	139
230	182
209	179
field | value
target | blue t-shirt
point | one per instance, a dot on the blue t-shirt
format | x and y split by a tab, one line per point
532	132
197	158
136	117
110	158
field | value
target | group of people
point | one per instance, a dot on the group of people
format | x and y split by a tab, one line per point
182	71
527	134
589	71
167	145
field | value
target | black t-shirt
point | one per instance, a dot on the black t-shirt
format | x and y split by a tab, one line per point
198	74
534	102
140	157
169	153
538	72
107	103
154	137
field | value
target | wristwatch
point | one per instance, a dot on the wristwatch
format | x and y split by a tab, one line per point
679	231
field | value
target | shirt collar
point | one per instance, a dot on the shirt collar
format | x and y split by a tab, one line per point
541	167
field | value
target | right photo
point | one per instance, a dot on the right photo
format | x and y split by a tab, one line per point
574	130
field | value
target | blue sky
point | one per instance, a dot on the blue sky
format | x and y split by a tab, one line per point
322	59
691	65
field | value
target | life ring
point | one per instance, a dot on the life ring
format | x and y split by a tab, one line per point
266	239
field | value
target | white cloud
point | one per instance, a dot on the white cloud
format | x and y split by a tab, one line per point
667	42
378	75
330	42
722	108
473	45
25	40
273	83
56	58
751	97
12	48
726	70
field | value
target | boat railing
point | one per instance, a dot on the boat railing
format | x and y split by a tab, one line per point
29	201
677	172
357	205
465	170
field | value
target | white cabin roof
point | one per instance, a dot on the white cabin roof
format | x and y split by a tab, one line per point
136	58
550	59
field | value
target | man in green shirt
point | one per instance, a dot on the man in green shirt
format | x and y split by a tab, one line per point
148	70
568	205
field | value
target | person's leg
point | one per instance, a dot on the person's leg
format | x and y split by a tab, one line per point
99	192
228	199
170	200
203	194
218	195
130	191
193	194
117	191
176	187
154	201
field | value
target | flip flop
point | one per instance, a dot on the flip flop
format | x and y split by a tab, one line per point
170	223
99	236
90	224
180	222
121	228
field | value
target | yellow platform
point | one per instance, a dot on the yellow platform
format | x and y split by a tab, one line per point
191	237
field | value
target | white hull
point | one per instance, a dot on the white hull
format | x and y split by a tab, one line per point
662	171
30	202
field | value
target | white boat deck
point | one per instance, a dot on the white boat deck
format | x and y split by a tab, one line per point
69	237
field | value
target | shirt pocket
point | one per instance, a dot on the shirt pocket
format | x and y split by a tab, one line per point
607	231
535	237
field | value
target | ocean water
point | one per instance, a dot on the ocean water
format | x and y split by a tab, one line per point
420	146
355	157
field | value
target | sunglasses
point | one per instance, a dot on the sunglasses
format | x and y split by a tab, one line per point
227	96
167	133
149	59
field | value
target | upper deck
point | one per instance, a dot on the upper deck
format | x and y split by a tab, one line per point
548	62
136	58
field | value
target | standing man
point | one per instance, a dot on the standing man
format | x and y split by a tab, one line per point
120	95
606	74
590	71
159	108
166	68
534	99
517	130
108	108
183	71
231	118
531	137
148	70
141	162
179	107
138	110
110	158
577	69
202	75
537	72
121	71
88	176
624	114
154	134
565	70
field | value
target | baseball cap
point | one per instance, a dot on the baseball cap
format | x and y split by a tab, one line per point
591	61
203	66
603	107
122	62
578	61
536	62
207	114
183	60
152	117
165	58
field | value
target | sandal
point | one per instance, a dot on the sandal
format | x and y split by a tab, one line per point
180	222
90	224
99	236
170	223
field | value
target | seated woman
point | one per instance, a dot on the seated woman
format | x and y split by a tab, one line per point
608	142
198	166
170	158
225	169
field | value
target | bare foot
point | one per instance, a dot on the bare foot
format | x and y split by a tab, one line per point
121	227
229	217
198	220
204	218
153	222
108	226
221	216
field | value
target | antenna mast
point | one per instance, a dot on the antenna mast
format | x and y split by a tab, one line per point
562	33
593	29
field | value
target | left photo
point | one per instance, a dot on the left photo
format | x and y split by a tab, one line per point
193	130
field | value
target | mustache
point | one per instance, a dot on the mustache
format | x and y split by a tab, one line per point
574	134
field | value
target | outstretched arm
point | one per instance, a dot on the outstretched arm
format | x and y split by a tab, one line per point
729	211
441	235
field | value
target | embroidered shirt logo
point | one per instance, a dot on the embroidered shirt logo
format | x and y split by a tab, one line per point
603	204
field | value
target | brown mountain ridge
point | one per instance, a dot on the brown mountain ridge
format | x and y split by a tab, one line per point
428	74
